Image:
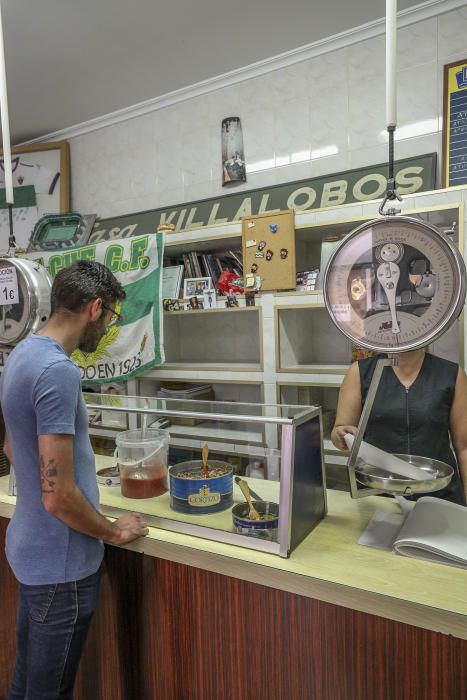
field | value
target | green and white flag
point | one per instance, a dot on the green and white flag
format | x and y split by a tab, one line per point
135	344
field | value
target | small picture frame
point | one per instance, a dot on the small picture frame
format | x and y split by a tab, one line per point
195	286
171	305
194	304
231	301
209	298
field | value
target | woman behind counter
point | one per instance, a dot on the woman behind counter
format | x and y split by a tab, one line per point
420	408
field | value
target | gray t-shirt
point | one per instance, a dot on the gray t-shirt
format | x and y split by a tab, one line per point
41	395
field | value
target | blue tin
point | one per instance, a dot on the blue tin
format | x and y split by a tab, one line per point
264	529
200	496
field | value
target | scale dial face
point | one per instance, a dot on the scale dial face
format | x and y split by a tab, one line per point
33	307
395	284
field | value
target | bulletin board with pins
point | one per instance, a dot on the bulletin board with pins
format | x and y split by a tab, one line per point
269	251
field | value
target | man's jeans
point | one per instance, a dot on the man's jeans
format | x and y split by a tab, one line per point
52	624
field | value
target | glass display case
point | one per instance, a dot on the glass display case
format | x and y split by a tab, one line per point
184	465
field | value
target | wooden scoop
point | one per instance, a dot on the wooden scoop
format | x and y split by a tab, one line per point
253	514
253	494
205	467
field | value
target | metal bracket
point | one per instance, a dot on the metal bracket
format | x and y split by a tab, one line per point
391	192
390	195
356	490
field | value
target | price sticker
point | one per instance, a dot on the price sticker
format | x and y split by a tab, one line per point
8	286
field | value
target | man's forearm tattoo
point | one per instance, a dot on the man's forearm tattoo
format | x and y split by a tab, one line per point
48	474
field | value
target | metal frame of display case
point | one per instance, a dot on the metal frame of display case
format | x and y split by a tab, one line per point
300	509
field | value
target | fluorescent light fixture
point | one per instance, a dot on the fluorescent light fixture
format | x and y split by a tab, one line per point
297	157
428	126
325	151
300	156
260	165
282	160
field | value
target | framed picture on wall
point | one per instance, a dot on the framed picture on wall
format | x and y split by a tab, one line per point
41	185
195	286
454	163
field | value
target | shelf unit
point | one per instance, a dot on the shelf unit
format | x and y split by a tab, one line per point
285	348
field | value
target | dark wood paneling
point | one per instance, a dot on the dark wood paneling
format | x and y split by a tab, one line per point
109	667
171	632
209	636
8	601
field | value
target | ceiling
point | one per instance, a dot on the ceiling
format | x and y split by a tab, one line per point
68	61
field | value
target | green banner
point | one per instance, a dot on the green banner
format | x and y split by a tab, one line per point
360	185
133	345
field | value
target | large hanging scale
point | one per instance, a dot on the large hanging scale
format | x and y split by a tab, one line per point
395	284
24	298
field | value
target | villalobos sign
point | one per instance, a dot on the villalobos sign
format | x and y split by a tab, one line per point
412	175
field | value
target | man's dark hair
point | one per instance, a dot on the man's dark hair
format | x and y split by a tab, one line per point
75	286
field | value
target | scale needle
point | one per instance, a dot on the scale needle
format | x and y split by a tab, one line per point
388	275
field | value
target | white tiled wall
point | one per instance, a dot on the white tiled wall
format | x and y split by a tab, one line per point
336	99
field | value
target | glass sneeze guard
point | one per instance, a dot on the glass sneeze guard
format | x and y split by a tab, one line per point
282	443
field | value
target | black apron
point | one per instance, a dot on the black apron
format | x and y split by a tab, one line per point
415	420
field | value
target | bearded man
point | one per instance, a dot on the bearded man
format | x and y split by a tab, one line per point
54	541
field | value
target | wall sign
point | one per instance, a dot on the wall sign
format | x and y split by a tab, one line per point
361	185
8	286
454	167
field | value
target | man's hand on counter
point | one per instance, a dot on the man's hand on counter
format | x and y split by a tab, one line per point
127	528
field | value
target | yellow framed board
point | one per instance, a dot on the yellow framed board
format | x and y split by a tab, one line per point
454	165
268	242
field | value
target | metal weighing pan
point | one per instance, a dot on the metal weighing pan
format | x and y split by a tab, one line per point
438	476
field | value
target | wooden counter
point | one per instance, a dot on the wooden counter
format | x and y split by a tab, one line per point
200	620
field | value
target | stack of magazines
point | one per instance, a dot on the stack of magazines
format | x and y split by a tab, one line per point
187	392
192	392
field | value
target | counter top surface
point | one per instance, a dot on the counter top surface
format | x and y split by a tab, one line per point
328	565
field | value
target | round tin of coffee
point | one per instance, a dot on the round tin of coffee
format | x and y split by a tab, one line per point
190	492
109	476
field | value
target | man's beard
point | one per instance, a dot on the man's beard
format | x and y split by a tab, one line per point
91	336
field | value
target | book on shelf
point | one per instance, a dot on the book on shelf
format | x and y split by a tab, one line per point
188	272
210	264
195	265
236	256
171	281
307	280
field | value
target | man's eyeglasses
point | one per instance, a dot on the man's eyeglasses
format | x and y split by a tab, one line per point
115	315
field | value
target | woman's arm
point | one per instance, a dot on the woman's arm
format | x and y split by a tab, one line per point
458	425
349	407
